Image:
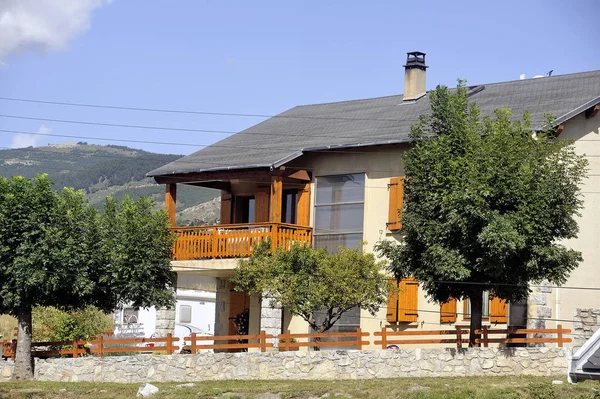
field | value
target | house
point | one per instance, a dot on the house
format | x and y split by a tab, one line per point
331	174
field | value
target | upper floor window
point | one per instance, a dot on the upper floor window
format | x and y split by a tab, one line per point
339	211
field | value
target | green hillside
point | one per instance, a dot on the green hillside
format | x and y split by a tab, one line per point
105	170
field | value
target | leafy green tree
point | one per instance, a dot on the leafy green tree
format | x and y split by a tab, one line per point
305	280
487	203
56	250
51	324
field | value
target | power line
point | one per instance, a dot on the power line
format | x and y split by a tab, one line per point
175	111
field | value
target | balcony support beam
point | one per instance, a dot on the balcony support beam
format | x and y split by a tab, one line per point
303	215
171	202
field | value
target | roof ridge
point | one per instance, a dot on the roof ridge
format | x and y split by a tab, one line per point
534	79
349	101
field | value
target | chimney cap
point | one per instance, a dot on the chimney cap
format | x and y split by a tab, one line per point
415	59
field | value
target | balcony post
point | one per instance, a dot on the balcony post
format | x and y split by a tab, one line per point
276	199
171	201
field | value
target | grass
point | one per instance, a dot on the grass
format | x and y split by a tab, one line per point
417	388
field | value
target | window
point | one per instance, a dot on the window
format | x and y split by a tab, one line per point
130	316
339	211
244	209
496	309
185	314
485	308
288	206
448	311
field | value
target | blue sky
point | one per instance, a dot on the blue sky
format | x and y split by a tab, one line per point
262	57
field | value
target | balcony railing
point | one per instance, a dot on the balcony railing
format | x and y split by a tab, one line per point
234	240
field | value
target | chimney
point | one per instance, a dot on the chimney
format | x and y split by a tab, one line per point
414	76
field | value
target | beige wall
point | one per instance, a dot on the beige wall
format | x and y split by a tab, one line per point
586	133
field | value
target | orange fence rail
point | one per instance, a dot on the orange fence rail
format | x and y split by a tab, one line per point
101	345
541	336
286	344
241	342
46	349
234	240
461	336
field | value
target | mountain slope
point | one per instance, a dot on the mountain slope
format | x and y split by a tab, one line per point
106	170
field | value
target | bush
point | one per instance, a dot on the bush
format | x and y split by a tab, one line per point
51	324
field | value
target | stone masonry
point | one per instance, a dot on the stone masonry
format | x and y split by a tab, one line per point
322	365
270	319
585	323
538	306
165	322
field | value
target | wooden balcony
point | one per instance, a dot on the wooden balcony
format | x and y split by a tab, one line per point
234	240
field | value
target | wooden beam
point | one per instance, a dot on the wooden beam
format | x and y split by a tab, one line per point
299	175
276	199
559	129
262	175
219	185
226	202
171	202
303	215
590	113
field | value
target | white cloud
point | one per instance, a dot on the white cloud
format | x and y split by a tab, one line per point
23	140
45	25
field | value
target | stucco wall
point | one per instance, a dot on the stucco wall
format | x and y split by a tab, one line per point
323	365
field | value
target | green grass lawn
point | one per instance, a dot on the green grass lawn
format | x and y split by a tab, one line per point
418	388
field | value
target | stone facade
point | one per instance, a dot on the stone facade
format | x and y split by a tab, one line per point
585	323
6	370
323	365
539	306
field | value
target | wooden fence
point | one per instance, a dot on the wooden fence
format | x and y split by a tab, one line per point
460	336
287	341
234	240
520	336
239	342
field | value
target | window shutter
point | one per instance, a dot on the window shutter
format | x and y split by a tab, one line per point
392	305
396	189
448	311
225	207
408	300
498	311
261	204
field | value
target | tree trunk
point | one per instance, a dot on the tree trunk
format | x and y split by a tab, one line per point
23	359
476	309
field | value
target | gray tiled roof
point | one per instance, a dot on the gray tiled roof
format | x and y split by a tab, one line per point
378	120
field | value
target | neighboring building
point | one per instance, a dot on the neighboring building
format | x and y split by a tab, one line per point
331	174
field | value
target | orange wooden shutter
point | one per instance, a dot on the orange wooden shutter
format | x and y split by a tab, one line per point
498	311
396	189
448	311
303	214
408	300
225	207
392	305
261	204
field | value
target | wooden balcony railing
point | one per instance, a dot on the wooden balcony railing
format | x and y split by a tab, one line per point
234	240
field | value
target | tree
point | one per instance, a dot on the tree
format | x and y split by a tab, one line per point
305	280
56	250
487	202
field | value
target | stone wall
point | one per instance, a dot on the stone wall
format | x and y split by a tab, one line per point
165	322
323	365
585	323
539	306
6	370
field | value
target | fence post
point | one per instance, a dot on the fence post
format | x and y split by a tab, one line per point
13	347
100	340
215	244
193	348
358	338
458	337
485	336
75	352
262	339
560	336
274	233
383	338
169	344
286	343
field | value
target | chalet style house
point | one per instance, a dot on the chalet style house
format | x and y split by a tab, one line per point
331	175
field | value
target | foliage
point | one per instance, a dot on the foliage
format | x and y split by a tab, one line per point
51	324
487	201
56	250
304	280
